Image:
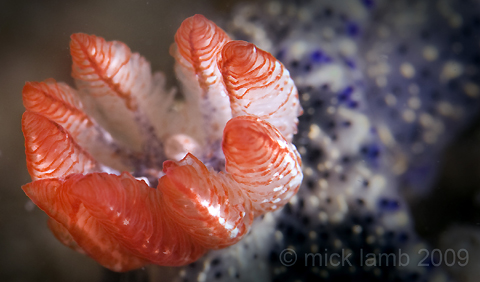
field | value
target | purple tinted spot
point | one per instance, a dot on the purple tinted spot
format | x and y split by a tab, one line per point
418	172
353	104
350	63
389	204
280	54
327	59
317	56
345	94
374	151
352	29
368	3
429	261
371	151
403	237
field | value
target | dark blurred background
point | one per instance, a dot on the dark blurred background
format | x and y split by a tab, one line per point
34	40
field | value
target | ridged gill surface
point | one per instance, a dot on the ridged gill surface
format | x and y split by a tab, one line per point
130	223
55	197
60	103
262	162
197	49
199	42
101	65
111	80
51	151
196	194
259	84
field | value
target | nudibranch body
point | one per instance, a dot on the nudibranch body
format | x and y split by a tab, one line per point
96	154
385	85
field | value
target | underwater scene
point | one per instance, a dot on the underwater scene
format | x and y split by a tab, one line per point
308	140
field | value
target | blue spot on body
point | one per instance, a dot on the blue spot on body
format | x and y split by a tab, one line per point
345	94
418	172
352	104
280	54
350	63
317	56
389	204
352	29
327	59
428	261
368	3
371	151
403	237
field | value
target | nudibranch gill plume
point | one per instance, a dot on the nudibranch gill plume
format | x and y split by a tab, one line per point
132	176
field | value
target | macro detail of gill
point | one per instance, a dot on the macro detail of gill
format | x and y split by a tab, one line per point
243	107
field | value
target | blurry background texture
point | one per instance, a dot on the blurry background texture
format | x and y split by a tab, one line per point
34	46
34	38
